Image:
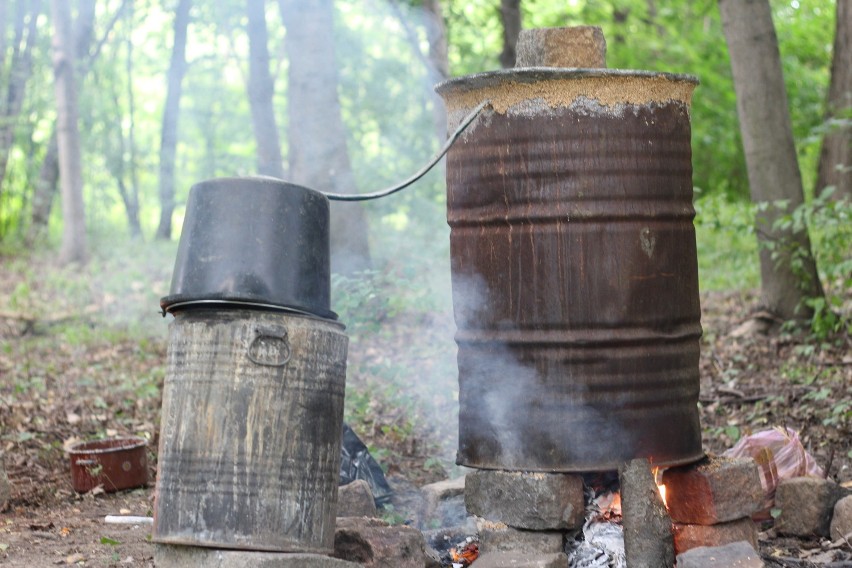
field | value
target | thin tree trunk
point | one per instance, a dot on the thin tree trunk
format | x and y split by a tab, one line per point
20	70
436	33
171	112
787	268
318	157
46	186
835	159
131	203
510	16
261	90
74	247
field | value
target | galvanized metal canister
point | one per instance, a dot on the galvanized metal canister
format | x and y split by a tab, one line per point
574	268
249	456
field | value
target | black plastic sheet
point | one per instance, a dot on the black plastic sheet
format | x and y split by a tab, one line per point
357	463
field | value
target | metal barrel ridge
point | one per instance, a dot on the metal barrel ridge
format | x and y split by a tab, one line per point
574	269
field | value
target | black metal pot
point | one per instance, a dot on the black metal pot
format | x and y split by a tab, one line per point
253	241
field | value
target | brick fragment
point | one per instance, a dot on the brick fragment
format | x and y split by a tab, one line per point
733	555
355	499
521	560
687	537
374	543
841	521
806	505
578	46
524	500
715	490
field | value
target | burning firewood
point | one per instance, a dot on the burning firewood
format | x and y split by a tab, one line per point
465	555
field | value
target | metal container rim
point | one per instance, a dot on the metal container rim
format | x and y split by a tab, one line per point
230	181
107	445
537	74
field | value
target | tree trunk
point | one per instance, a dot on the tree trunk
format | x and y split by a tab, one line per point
45	187
318	157
74	247
20	70
835	159
787	269
261	89
171	112
510	16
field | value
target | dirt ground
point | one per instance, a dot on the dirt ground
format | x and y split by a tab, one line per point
53	392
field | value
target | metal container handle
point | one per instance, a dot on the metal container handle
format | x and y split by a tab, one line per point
276	333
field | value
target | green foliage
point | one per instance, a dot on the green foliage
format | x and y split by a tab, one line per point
727	248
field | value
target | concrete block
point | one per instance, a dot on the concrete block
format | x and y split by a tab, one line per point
521	560
498	537
713	491
841	521
579	46
733	555
443	504
172	556
806	505
687	537
373	542
355	499
523	500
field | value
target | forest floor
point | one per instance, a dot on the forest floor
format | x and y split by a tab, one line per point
76	377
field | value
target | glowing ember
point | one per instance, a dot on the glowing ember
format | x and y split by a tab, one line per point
662	490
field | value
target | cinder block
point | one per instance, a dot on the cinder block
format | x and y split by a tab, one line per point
578	46
523	500
502	538
172	556
713	491
521	560
806	505
687	537
375	543
443	504
734	555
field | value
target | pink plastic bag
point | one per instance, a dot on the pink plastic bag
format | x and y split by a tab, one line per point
779	455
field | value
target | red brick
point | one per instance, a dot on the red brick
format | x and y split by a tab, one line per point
713	491
688	536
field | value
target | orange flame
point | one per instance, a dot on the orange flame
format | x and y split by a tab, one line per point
658	476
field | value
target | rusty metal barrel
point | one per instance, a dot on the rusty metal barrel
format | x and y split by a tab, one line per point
574	269
249	454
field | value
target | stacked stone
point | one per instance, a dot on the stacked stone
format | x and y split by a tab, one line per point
711	502
528	514
813	506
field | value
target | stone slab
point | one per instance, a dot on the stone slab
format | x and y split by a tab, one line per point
806	505
715	490
733	555
525	500
172	556
521	560
687	537
355	499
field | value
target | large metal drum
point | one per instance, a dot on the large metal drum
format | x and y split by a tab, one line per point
575	279
249	455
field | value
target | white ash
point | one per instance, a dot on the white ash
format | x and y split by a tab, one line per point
600	544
